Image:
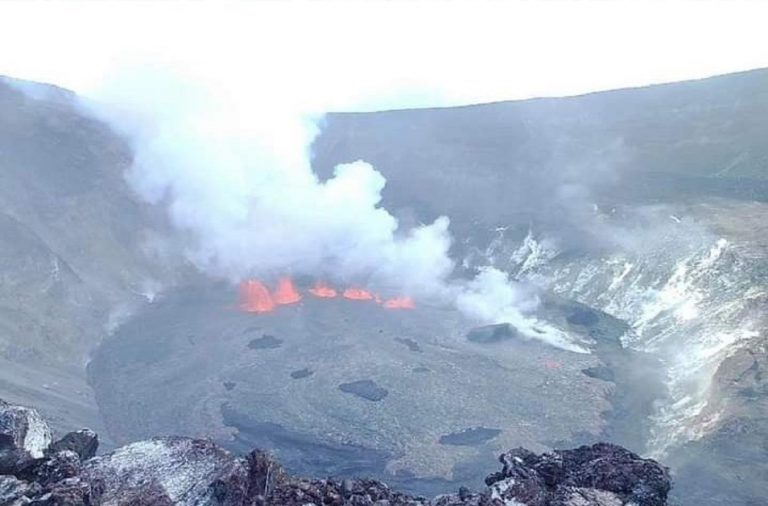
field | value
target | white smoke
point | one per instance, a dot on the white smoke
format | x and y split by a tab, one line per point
236	177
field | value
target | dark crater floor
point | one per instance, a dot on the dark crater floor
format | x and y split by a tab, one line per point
470	437
265	342
420	398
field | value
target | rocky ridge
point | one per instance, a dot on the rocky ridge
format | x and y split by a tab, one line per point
186	471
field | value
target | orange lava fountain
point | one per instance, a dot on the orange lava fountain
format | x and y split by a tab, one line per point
399	303
357	294
255	298
323	290
286	293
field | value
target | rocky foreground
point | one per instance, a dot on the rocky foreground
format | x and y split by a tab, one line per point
176	470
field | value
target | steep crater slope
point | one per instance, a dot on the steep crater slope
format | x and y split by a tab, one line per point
648	204
72	257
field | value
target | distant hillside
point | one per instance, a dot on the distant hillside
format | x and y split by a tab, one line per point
502	162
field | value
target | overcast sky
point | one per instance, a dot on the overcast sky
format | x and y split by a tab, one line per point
367	54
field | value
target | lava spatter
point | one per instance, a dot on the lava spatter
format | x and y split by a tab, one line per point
323	290
357	294
286	293
255	298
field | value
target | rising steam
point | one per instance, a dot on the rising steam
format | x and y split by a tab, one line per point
236	176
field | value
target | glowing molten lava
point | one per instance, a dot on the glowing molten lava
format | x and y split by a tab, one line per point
255	298
286	293
323	291
357	294
399	303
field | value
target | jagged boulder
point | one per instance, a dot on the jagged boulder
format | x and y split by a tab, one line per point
24	429
39	473
68	492
12	490
24	436
84	442
49	470
599	475
171	470
264	474
13	459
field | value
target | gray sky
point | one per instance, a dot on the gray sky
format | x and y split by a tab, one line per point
370	54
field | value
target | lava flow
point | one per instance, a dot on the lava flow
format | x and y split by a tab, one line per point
286	293
357	294
399	303
323	290
255	298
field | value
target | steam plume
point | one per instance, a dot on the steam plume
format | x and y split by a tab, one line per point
236	176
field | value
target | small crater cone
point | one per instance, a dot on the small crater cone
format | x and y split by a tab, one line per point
286	293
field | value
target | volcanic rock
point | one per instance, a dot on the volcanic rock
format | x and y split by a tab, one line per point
10	460
601	474
367	389
22	428
71	492
47	471
177	470
183	471
302	373
38	473
265	342
84	442
12	490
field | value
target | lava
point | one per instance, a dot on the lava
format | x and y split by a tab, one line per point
399	303
323	290
357	294
286	293
255	298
